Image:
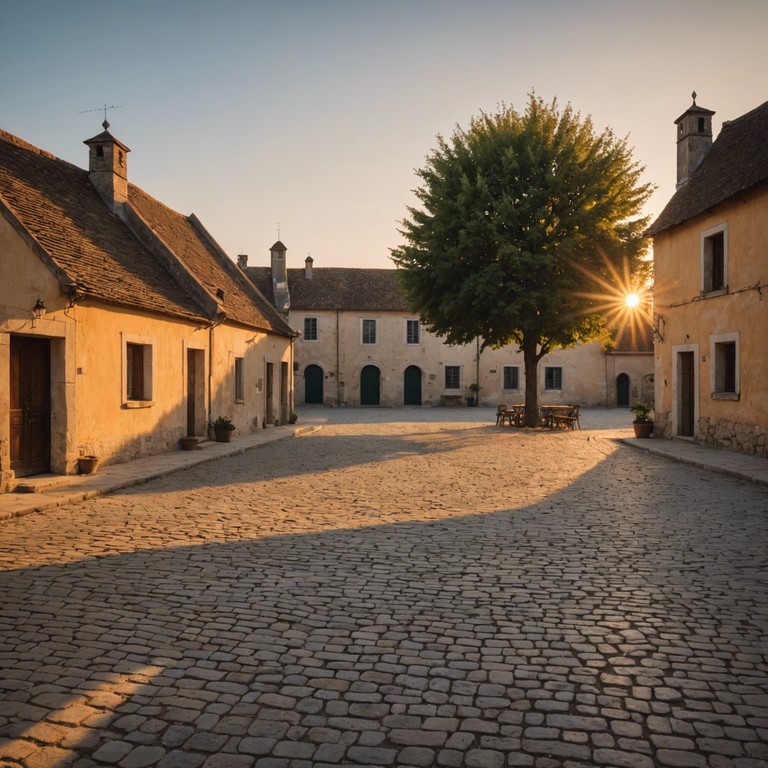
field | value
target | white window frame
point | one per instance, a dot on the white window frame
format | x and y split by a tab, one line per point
375	327
457	388
717	344
148	344
707	236
411	325
553	368
307	337
504	369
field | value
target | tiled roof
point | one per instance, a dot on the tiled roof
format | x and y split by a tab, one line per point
223	281
637	338
56	205
61	210
737	162
345	288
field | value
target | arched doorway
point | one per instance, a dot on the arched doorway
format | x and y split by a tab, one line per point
622	390
313	385
370	382
412	385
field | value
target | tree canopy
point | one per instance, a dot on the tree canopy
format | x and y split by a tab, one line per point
518	212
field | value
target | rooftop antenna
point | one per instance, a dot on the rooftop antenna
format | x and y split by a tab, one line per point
105	107
278	229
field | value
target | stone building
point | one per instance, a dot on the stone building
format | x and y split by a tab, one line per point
710	248
360	344
123	325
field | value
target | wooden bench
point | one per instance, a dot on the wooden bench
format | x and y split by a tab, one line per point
568	419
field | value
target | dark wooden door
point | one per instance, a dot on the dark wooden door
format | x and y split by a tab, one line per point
687	394
30	388
370	378
191	391
622	390
412	385
313	385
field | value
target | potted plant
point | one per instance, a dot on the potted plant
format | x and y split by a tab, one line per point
223	428
188	443
643	423
86	465
472	397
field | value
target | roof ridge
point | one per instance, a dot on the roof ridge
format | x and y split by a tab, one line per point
10	138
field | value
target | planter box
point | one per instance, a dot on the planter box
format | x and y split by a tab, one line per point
223	435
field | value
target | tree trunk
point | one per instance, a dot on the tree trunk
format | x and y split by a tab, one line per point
531	363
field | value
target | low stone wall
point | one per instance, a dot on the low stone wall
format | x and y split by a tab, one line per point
744	438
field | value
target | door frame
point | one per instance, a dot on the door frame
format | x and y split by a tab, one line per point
677	388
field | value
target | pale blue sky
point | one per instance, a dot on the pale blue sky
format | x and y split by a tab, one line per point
314	113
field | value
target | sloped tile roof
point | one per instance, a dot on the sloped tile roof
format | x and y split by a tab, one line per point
344	288
223	281
58	206
737	162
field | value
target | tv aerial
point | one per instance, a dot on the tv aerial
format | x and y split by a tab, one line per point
105	107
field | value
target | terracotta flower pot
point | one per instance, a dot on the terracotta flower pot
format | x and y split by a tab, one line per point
86	465
188	443
643	428
223	435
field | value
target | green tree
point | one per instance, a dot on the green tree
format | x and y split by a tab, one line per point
518	213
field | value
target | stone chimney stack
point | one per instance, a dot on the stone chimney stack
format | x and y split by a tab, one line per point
108	168
280	277
308	262
242	261
694	139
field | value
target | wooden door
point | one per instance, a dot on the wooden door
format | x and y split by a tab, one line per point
687	395
313	385
191	392
30	415
370	381
622	391
412	385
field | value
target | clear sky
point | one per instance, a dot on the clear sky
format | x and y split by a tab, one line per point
315	113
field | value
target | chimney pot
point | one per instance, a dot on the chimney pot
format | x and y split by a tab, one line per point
242	260
308	262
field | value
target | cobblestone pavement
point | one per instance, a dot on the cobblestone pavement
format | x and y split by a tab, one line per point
394	593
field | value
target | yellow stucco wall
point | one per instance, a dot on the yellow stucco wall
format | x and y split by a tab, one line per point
691	321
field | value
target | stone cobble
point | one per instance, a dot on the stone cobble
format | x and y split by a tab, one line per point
394	590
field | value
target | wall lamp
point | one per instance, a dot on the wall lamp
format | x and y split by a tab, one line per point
38	311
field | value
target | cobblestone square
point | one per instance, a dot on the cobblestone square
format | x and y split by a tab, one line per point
400	588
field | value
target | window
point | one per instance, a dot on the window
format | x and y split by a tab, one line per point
310	329
553	377
369	331
412	332
714	273
239	380
452	376
511	377
137	371
725	366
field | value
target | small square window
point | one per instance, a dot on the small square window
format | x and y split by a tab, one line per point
553	377
452	377
369	331
310	329
511	377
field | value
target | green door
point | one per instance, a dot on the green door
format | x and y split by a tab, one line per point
313	385
412	385
370	379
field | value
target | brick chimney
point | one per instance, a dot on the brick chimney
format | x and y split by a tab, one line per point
242	261
280	277
308	262
108	168
694	139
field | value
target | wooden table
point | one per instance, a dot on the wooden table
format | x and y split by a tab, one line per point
559	415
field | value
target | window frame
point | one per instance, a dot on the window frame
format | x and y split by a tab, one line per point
513	369
454	370
310	322
714	276
557	382
724	354
131	397
411	324
365	337
238	371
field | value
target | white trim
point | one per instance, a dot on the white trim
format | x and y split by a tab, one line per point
705	235
375	322
714	340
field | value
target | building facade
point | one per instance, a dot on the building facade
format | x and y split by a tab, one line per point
123	325
360	344
710	248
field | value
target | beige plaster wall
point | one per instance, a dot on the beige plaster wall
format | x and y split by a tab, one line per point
340	353
691	320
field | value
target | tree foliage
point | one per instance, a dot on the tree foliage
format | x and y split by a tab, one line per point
516	212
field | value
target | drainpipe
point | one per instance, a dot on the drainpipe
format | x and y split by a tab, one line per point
338	372
477	371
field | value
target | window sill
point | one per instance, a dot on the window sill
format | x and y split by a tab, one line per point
725	396
138	403
712	294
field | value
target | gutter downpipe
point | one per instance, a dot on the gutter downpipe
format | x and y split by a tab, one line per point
338	372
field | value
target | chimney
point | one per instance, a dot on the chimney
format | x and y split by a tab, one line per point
108	168
242	260
280	277
308	262
694	139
